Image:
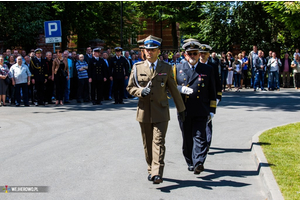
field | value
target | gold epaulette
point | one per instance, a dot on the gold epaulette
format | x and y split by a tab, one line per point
219	93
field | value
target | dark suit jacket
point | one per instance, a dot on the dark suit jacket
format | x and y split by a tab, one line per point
203	99
283	62
86	58
257	64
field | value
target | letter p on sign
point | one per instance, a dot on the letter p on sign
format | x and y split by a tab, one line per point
52	27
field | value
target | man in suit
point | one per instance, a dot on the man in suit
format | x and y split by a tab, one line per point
97	72
196	83
252	55
285	70
88	56
259	67
118	74
39	75
150	80
50	83
214	62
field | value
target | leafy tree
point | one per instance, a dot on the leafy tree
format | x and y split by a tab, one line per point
21	23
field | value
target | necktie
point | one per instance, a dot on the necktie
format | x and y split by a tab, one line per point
193	68
152	68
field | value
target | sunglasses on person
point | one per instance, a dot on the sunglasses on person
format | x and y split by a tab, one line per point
195	54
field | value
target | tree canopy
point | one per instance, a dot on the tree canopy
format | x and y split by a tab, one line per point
270	25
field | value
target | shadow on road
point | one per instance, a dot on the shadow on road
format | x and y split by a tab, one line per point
206	182
217	150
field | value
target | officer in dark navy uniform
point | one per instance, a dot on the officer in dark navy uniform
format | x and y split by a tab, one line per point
118	73
39	75
214	62
196	83
97	71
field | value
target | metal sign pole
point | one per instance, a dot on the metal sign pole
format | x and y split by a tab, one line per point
53	47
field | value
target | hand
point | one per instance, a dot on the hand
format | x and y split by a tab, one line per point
33	81
52	78
104	79
182	116
111	78
126	77
28	82
68	78
210	117
145	92
90	80
45	80
186	90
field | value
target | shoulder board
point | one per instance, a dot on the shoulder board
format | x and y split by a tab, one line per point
140	62
164	62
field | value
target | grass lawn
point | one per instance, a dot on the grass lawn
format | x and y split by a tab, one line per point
281	147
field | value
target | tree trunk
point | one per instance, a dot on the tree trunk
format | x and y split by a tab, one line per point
174	35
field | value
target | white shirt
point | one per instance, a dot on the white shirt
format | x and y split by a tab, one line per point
20	73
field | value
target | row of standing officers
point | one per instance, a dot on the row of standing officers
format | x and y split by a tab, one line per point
99	71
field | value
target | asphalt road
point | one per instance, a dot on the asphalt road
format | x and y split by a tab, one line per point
95	152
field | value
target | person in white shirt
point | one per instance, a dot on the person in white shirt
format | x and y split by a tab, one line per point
20	79
273	65
296	53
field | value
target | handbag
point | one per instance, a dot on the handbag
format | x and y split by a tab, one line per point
7	81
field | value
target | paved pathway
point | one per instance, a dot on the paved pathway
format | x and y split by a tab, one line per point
95	152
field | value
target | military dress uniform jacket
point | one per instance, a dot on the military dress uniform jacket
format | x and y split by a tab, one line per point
97	70
118	67
39	71
215	64
203	99
154	107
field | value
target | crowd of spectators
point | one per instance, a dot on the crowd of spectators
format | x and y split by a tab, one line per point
67	75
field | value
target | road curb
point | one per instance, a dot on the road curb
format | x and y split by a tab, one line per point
264	170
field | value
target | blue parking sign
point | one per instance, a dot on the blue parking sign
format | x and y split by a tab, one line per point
52	29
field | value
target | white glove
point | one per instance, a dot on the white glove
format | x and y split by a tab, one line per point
218	101
210	117
186	90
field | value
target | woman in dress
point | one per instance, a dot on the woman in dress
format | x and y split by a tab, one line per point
237	70
230	72
60	74
224	70
4	73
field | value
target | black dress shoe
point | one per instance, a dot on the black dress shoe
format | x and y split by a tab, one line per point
157	180
121	102
191	168
150	178
199	168
116	103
